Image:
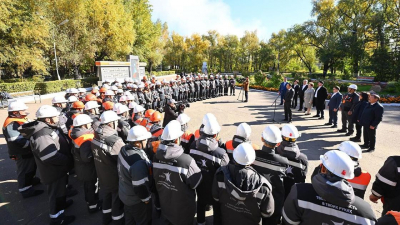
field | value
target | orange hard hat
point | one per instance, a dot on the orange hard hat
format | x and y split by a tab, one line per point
108	105
78	105
156	117
90	97
149	112
94	91
103	90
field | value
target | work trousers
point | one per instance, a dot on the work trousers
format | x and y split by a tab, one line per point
26	170
333	116
113	208
202	202
369	136
347	122
288	111
233	90
221	90
91	191
139	214
226	91
57	198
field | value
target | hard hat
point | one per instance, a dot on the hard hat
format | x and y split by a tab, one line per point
130	97
226	76
82	90
68	91
148	113
108	116
47	111
231	75
17	106
141	85
126	79
58	99
90	97
115	107
91	105
95	88
164	80
72	99
158	83
78	105
109	92
73	91
353	86
138	108
106	86
134	86
211	76
81	119
244	154
183	118
132	105
114	88
352	149
290	131
120	91
338	163
153	76
211	127
156	117
103	90
121	109
107	81
108	105
243	130
208	116
123	98
127	93
272	134
95	91
172	131
138	133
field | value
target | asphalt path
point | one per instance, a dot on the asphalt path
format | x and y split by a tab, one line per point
316	139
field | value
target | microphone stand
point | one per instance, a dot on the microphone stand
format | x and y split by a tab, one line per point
274	104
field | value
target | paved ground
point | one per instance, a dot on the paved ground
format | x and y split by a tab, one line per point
315	140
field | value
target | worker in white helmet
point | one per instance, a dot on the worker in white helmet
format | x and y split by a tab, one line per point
135	178
298	162
123	121
187	137
176	177
243	133
329	199
209	157
244	195
19	149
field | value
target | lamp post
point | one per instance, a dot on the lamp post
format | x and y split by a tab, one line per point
54	44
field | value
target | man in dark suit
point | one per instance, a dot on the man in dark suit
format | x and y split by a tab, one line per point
334	104
319	99
282	90
288	102
303	88
370	119
296	88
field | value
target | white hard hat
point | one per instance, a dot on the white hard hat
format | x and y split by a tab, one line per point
109	92
338	163
96	88
68	91
108	116
130	97
81	119
211	76
127	93
132	105
183	118
158	83
72	99
114	88
17	106
353	86
231	75
59	99
106	86
120	91
138	133
91	105
82	90
123	98
138	108
115	106
47	111
290	131
153	76
141	85
165	81
243	130
272	134
134	86
126	79
122	108
244	154
73	91
211	127
208	116
172	131
351	148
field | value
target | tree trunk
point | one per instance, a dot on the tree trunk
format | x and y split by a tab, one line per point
77	75
326	67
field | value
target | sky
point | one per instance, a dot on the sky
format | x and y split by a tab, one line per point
231	16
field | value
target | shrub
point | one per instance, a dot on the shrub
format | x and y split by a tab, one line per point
89	82
17	87
276	80
260	77
162	73
56	86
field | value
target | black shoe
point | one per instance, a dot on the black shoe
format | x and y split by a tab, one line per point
349	133
355	139
341	131
334	126
68	203
208	207
36	181
328	124
321	118
32	193
316	116
63	221
281	104
71	192
364	146
300	110
285	120
69	186
369	150
290	121
245	101
96	209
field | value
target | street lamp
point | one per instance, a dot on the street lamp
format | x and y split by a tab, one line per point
55	53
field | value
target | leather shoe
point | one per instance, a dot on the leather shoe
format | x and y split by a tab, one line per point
285	120
299	110
364	146
328	124
334	126
341	131
349	134
369	150
321	118
316	116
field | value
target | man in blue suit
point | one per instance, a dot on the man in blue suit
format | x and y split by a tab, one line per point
334	104
282	89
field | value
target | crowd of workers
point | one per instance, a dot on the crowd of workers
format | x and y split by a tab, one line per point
148	167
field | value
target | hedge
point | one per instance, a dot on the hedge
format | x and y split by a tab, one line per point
162	73
17	87
89	82
56	86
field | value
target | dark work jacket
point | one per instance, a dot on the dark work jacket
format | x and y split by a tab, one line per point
244	195
326	202
349	101
82	153
391	218
372	115
123	128
16	143
51	149
319	102
169	115
358	110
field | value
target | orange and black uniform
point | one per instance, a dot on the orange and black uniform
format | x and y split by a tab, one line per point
84	164
187	139
391	218
236	141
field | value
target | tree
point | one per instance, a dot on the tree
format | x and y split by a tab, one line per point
197	48
157	51
280	50
298	43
